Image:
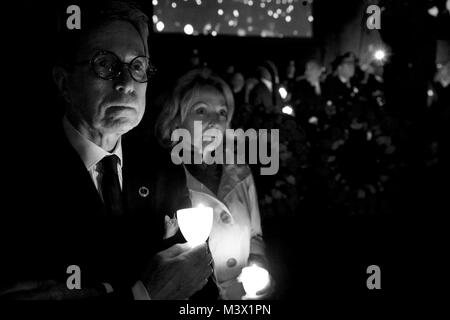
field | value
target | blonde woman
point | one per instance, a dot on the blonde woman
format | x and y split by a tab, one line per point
236	238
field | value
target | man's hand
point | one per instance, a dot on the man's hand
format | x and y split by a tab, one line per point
178	272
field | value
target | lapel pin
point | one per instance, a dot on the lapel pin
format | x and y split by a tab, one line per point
144	192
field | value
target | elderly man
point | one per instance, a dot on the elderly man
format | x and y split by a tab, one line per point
342	85
99	218
265	94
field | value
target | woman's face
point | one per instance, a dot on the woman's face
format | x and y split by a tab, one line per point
208	106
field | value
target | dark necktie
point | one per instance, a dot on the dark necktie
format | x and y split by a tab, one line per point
110	186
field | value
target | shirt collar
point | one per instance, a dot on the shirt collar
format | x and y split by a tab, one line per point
89	152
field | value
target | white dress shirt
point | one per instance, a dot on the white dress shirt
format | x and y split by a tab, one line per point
91	155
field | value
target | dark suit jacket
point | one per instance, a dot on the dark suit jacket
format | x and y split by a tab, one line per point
335	89
58	219
262	98
307	102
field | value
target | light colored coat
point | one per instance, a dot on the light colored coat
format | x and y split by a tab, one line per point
236	231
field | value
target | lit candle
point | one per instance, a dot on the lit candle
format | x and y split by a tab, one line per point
195	224
254	279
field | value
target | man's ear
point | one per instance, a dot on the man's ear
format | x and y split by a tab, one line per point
60	77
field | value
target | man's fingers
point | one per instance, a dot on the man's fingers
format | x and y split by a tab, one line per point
175	250
203	261
201	255
210	270
200	251
206	272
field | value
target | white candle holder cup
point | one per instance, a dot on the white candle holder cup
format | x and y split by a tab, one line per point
254	279
195	224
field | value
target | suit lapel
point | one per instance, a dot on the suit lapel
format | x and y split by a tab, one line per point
82	190
137	186
142	192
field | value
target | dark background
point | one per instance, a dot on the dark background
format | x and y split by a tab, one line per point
237	17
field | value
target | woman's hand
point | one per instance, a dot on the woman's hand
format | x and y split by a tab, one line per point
268	290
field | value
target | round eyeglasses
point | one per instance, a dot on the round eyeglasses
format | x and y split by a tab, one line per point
108	66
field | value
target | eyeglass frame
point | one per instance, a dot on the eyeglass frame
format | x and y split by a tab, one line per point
150	73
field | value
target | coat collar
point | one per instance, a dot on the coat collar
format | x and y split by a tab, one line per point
232	175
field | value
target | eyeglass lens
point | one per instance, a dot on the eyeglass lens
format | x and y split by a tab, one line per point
108	66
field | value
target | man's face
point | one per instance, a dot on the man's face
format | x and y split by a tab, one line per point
313	71
108	106
238	82
347	69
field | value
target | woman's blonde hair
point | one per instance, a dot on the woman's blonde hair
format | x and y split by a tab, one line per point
177	106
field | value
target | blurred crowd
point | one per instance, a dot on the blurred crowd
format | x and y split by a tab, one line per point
340	145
